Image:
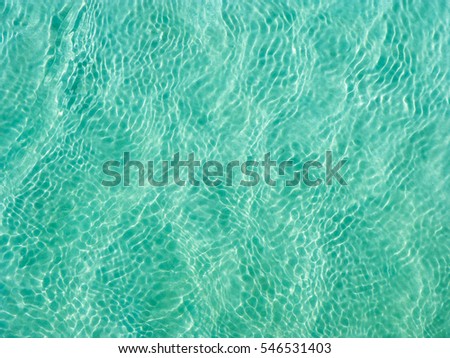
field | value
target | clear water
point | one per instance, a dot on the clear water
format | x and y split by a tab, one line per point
83	81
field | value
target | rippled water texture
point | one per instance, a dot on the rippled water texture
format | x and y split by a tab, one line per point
83	81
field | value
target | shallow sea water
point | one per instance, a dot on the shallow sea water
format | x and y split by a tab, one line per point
83	81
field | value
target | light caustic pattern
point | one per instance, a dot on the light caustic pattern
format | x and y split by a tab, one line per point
83	81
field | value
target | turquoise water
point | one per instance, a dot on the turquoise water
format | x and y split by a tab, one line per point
81	82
